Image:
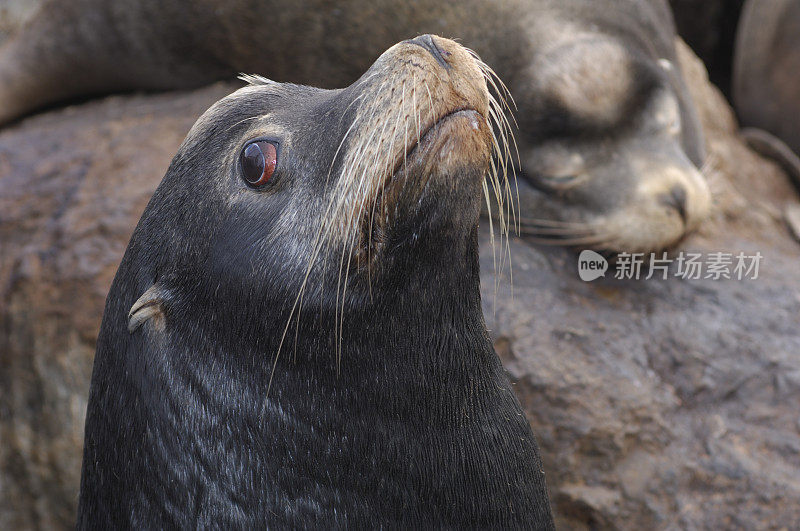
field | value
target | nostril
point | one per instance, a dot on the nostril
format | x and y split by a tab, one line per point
676	198
679	194
427	42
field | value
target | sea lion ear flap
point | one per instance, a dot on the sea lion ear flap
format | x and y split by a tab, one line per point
150	305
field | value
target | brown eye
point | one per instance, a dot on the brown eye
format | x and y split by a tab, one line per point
258	162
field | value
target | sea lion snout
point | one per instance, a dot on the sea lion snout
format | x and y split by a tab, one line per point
427	42
421	137
454	69
670	200
645	196
676	198
613	152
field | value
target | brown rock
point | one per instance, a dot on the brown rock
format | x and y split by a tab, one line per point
666	404
74	183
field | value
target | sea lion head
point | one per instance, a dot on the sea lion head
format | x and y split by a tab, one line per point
344	222
612	149
283	192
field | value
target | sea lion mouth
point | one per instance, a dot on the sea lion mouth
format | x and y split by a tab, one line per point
420	148
420	134
432	129
474	114
415	165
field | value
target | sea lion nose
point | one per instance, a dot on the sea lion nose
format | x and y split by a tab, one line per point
428	42
676	198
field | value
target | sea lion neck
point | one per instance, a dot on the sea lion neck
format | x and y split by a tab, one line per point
386	320
431	307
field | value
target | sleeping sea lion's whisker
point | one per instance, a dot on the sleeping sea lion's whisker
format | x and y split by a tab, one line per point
541	231
551	222
710	165
568	242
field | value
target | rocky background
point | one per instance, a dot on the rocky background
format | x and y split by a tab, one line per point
658	404
667	404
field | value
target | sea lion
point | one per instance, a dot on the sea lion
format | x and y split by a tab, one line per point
609	131
294	336
766	70
709	28
13	14
610	145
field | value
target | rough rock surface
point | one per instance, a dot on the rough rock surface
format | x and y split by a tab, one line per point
73	184
666	404
658	404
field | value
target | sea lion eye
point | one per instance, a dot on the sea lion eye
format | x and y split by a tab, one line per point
259	160
558	170
554	183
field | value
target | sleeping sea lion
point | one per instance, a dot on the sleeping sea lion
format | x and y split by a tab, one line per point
766	79
610	145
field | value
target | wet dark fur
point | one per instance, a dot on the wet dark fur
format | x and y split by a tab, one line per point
417	427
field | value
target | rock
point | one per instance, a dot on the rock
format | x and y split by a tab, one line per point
74	183
666	403
658	403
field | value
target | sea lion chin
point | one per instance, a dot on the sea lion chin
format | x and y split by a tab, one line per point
294	337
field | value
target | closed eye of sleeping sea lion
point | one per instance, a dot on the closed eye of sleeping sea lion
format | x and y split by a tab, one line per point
609	140
339	229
